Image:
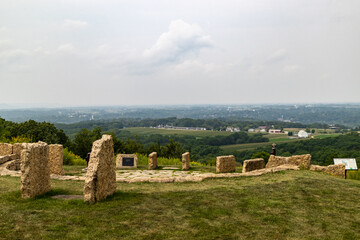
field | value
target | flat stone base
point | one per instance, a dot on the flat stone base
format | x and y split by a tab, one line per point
68	197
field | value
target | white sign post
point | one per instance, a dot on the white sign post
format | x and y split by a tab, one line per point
350	163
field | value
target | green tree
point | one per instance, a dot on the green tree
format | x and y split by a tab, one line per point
83	141
262	154
172	149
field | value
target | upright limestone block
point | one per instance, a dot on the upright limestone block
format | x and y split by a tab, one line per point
298	160
5	149
100	180
56	155
126	161
186	161
17	147
152	160
225	164
35	173
253	164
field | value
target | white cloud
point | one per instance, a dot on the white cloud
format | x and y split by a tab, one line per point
66	48
69	23
3	29
277	56
292	68
180	40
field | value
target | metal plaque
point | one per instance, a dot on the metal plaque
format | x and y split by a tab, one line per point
128	162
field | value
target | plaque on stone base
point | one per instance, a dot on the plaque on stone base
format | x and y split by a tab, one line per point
126	161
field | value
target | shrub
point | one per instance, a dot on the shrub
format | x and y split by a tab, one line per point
71	159
143	159
196	164
353	175
21	139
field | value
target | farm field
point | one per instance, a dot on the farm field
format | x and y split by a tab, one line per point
149	131
284	205
273	138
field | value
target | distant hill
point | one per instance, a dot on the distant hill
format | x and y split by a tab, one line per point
343	114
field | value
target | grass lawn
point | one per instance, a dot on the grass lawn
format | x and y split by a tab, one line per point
321	136
273	138
249	146
285	205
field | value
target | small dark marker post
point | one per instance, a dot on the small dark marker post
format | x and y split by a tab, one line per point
273	149
87	159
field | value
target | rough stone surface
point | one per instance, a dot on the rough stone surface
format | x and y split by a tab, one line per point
56	156
335	170
5	149
35	174
152	160
14	165
298	160
253	164
119	160
186	161
6	158
225	164
100	179
17	147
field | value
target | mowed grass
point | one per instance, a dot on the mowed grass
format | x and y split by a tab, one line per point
285	205
250	146
149	131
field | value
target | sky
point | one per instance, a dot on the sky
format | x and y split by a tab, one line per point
146	52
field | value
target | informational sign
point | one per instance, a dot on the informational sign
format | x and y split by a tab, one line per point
350	163
126	161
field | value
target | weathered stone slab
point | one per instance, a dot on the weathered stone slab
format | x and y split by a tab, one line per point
225	164
4	159
14	165
56	156
100	180
126	161
35	174
253	164
5	149
298	160
17	147
186	161
152	160
335	170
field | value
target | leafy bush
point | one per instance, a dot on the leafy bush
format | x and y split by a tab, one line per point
353	175
143	159
21	139
262	154
71	159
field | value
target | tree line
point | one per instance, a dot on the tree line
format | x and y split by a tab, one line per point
217	124
322	150
203	150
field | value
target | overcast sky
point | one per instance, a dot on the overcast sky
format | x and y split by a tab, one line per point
112	52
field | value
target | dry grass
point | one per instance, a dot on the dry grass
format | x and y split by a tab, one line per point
285	205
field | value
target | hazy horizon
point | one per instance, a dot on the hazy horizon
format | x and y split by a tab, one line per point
140	53
46	106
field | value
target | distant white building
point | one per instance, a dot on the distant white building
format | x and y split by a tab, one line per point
232	129
274	131
303	134
251	130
